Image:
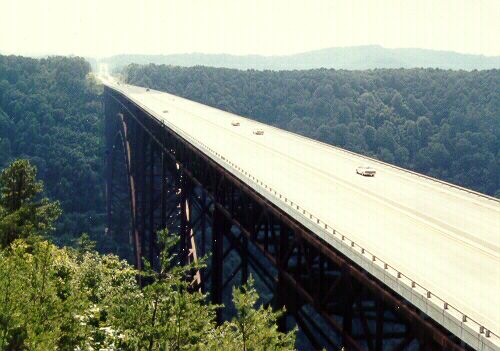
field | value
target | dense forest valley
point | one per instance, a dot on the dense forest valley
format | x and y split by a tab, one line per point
58	290
442	123
61	283
51	114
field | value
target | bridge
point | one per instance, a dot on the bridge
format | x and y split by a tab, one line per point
399	261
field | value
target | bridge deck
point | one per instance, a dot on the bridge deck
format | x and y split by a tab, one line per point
445	239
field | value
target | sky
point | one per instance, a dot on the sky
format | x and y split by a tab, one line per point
100	28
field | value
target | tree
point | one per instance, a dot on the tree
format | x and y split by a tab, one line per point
384	138
401	155
21	215
424	127
252	329
340	135
40	300
168	315
164	315
50	113
369	135
74	299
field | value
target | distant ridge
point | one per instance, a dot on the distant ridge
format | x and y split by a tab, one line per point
352	58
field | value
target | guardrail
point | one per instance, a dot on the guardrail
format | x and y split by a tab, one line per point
373	260
371	159
354	246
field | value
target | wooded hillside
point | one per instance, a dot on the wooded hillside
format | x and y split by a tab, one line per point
51	114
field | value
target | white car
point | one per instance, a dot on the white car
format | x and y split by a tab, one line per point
235	123
258	131
366	171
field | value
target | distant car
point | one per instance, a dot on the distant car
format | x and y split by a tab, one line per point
235	123
258	131
147	89
366	171
165	111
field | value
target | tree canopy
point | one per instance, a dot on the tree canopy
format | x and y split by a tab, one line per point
76	299
21	215
51	114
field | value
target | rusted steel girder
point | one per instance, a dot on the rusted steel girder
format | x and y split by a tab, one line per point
359	312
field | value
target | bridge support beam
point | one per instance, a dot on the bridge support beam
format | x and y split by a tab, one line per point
335	303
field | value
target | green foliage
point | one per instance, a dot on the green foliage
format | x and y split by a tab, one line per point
445	124
18	185
164	315
51	114
76	299
39	299
63	299
21	216
252	329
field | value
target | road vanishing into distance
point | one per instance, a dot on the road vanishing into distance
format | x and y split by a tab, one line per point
443	238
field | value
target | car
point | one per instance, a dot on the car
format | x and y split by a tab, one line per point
147	89
258	131
165	111
366	171
235	123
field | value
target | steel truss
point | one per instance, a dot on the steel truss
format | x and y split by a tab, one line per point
171	184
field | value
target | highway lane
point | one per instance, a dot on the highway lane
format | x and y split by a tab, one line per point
395	187
413	223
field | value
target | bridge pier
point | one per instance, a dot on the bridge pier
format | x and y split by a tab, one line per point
220	228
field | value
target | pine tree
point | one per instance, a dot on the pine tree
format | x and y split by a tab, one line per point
21	214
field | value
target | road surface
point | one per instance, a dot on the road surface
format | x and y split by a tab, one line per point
444	238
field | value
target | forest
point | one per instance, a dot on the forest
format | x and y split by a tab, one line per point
442	123
51	114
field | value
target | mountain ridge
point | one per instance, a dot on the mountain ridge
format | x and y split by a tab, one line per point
351	58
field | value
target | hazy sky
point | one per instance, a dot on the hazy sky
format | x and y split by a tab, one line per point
106	27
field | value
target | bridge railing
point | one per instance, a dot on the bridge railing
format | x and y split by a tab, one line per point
371	260
445	306
371	159
375	260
